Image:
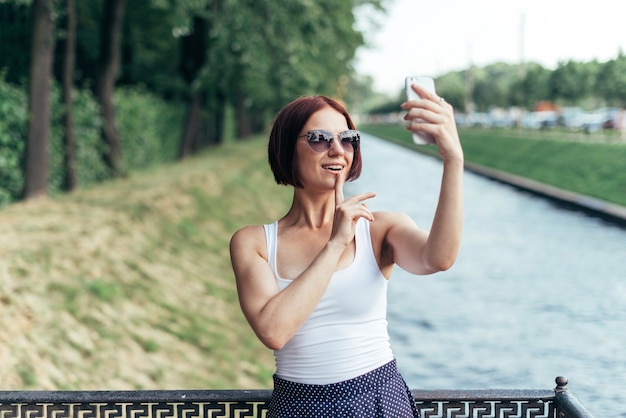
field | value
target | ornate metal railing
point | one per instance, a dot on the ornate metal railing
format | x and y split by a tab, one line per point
557	403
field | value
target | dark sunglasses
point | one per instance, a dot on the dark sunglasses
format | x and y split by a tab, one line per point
320	140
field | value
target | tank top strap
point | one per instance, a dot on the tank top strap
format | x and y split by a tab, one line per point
271	238
364	246
362	236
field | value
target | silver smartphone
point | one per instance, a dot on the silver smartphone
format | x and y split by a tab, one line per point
427	83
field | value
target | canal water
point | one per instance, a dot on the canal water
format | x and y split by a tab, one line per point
538	290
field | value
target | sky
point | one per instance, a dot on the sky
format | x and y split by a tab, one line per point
431	38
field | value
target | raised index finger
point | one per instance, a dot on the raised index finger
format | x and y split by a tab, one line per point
339	190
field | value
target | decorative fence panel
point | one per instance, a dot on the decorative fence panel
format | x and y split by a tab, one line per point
557	403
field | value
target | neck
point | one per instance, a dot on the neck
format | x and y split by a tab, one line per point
311	210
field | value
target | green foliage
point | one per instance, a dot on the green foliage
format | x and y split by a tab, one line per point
13	107
492	84
573	80
452	87
89	146
12	136
614	71
149	126
152	51
15	17
532	87
588	85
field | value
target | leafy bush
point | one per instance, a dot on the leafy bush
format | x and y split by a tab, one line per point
150	128
89	146
13	119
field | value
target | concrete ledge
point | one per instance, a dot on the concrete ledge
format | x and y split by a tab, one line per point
606	210
611	212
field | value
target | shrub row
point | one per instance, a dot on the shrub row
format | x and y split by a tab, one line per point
149	129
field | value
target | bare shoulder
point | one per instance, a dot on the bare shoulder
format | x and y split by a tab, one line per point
249	238
385	220
389	225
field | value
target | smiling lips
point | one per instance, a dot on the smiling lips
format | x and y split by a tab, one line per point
333	167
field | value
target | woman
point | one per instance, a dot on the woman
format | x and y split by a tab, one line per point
313	285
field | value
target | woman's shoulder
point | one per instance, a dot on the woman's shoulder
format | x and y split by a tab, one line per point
250	235
389	218
384	221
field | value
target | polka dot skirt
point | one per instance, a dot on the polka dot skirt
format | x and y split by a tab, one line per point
381	393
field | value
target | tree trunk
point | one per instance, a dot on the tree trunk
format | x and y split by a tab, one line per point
193	58
241	114
219	118
192	126
108	70
37	142
70	181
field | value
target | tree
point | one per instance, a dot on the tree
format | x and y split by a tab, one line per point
70	181
492	85
572	81
280	51
37	141
531	88
259	55
193	59
15	34
107	72
611	83
453	87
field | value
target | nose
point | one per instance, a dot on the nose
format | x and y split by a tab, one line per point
335	146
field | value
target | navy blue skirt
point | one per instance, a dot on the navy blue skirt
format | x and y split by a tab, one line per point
381	393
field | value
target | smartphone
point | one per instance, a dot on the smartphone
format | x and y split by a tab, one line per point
427	83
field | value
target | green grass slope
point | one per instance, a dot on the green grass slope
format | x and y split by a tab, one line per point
128	285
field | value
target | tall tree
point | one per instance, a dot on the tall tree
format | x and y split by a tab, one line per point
70	182
572	81
277	51
491	84
531	88
37	141
611	83
193	58
108	69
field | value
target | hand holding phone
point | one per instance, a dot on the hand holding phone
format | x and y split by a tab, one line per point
426	83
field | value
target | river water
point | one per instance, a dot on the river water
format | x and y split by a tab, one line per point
538	290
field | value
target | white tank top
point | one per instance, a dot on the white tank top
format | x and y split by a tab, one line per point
346	335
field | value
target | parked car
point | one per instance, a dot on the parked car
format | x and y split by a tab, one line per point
571	118
540	120
593	121
612	119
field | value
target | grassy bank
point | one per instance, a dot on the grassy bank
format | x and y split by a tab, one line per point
128	285
566	161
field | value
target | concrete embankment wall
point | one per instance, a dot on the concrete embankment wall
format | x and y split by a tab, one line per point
606	210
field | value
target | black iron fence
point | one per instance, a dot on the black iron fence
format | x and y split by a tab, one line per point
556	403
